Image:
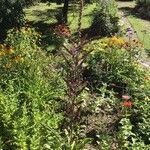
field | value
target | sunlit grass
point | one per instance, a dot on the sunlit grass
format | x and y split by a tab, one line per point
46	14
142	29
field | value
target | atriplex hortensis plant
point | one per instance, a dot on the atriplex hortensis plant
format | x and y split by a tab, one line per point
74	56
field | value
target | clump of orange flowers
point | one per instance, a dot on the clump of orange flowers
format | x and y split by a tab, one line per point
9	50
4	49
63	30
8	53
17	58
133	43
116	41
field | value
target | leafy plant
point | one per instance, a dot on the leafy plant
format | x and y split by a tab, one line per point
11	15
112	62
105	19
27	96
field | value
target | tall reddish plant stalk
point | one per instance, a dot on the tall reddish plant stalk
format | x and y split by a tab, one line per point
74	56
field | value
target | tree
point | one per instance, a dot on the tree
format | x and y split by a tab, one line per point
65	11
11	15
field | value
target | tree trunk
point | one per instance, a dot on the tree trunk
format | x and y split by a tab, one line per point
65	11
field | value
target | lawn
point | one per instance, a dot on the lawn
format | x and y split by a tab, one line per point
46	13
141	26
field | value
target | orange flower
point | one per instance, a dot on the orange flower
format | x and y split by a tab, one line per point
17	58
116	41
9	50
63	30
127	104
125	97
146	78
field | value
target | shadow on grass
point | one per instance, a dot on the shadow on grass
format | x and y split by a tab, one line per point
134	11
147	52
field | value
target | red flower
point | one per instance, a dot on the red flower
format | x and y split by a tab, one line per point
125	97
127	104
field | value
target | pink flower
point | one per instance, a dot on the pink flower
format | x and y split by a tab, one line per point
125	97
113	85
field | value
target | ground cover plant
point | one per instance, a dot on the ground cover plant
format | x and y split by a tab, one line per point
86	92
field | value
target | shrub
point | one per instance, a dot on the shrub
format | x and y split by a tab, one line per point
143	8
11	15
105	19
143	118
143	2
27	96
110	63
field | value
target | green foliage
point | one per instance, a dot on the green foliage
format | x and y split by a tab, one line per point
142	113
104	141
143	2
28	89
128	139
105	19
11	15
110	62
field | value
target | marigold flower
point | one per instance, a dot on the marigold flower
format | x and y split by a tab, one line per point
9	50
125	97
146	78
116	41
17	58
127	103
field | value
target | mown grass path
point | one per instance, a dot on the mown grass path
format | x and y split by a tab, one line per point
140	28
133	19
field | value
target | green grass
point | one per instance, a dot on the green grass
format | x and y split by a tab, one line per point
137	23
46	14
43	15
42	12
142	28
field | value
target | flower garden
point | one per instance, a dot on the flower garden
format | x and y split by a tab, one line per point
75	83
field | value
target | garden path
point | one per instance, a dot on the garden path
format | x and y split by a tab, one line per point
144	61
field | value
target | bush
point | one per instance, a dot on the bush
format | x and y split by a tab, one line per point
143	2
142	113
112	62
11	15
105	19
143	8
28	117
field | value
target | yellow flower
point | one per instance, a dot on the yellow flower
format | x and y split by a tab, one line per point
1	46
116	41
9	50
17	58
2	53
8	65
